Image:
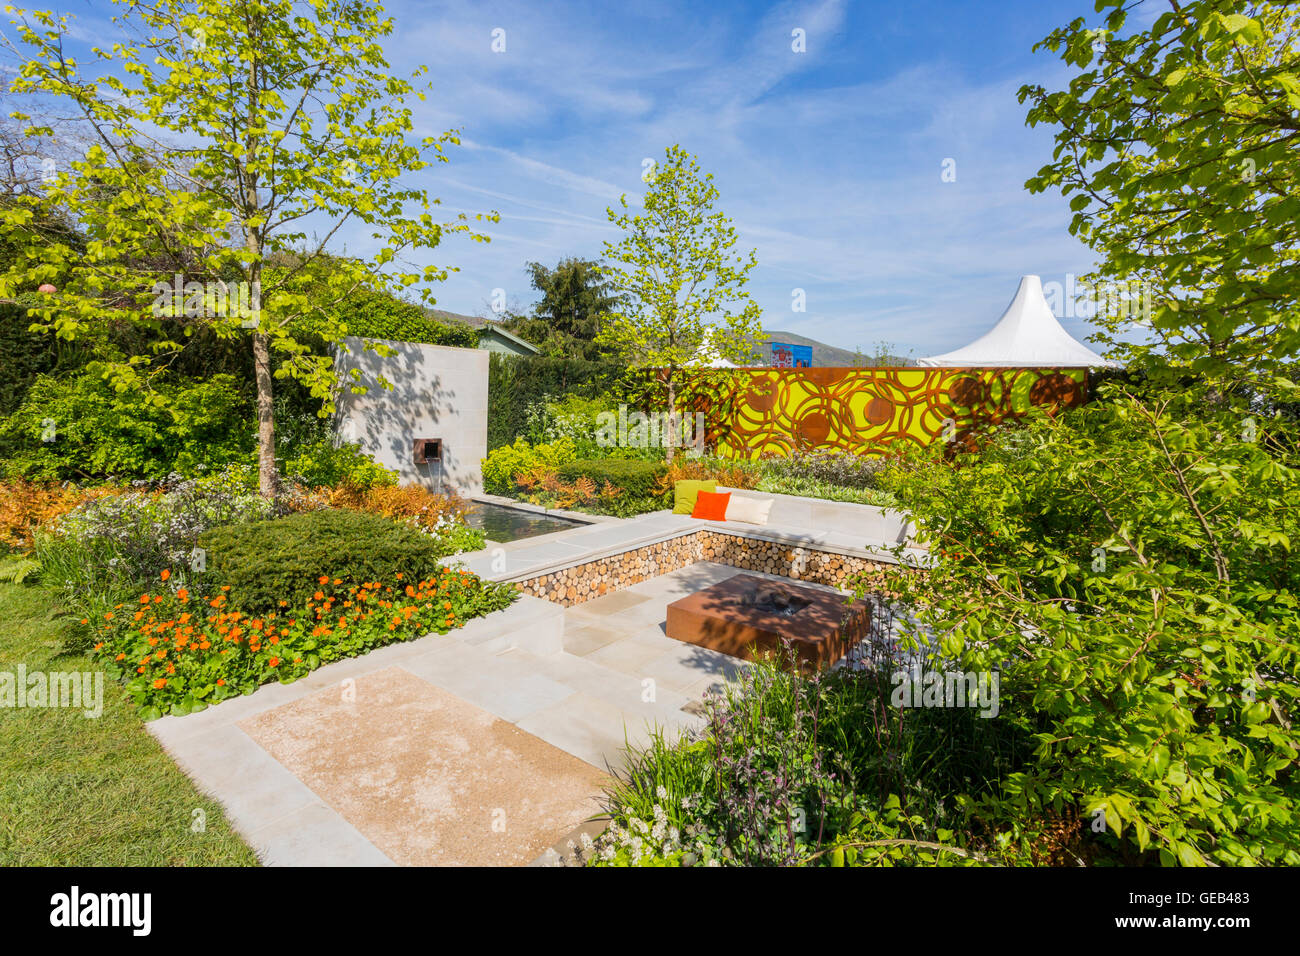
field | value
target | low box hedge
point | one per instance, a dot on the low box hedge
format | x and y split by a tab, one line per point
266	562
636	477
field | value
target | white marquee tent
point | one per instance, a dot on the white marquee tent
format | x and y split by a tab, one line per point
1027	336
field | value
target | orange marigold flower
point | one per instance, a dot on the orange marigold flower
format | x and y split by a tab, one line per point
183	594
319	595
108	616
139	670
86	620
221	681
166	574
119	657
323	579
274	662
338	580
138	615
204	645
160	683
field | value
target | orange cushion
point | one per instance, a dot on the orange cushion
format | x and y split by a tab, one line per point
712	505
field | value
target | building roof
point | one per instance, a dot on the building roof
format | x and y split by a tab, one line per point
493	328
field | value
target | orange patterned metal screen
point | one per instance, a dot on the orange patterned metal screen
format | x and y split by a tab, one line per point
866	410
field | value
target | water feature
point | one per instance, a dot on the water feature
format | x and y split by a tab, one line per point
503	523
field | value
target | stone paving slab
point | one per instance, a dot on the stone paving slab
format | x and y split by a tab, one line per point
428	778
590	728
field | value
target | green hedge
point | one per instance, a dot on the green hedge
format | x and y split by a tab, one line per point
266	562
369	314
636	477
517	381
26	355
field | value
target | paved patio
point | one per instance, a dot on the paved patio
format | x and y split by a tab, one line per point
486	746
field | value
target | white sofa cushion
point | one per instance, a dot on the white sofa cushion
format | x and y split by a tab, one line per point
749	510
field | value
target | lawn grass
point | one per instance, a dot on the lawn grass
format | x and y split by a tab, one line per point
91	792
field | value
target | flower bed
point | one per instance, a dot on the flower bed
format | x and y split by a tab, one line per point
177	653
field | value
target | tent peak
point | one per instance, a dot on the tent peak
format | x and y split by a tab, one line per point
1027	335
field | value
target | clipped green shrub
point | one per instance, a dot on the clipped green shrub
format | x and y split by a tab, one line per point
266	562
636	477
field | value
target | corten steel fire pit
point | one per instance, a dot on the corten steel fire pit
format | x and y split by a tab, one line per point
746	615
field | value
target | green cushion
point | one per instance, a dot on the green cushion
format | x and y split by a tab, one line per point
685	492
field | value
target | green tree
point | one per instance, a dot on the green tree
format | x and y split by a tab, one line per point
566	321
217	142
682	289
1179	145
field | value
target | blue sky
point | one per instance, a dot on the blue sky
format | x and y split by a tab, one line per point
829	161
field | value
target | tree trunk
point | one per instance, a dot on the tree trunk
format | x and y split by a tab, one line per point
268	479
671	426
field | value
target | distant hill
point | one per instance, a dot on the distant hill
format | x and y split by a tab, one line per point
825	356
